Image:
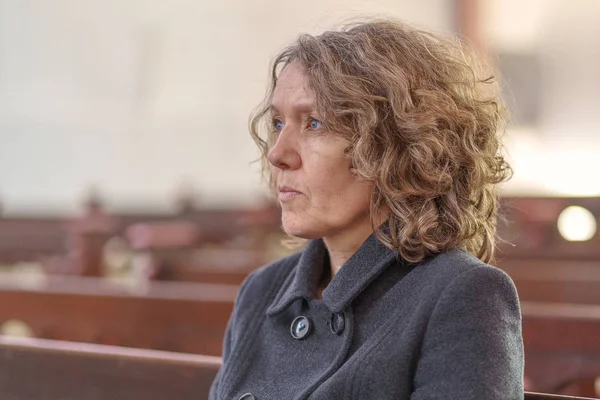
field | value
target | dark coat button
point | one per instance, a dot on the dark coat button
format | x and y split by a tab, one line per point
337	323
247	396
301	327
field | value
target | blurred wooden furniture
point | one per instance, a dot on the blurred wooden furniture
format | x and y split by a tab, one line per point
222	266
562	346
551	269
559	291
182	317
560	281
529	229
28	239
74	245
555	281
170	252
37	369
544	396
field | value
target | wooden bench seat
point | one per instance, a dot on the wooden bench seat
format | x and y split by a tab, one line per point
551	269
543	396
555	281
562	345
38	369
184	317
23	239
574	291
528	228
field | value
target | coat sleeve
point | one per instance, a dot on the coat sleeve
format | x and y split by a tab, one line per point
473	344
227	342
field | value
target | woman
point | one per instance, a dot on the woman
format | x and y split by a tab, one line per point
382	144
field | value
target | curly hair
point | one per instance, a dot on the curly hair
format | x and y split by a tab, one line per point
422	124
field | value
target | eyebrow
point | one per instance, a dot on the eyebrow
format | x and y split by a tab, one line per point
302	107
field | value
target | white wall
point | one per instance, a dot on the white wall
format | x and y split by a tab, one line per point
559	155
137	97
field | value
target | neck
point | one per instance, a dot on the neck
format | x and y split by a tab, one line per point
342	247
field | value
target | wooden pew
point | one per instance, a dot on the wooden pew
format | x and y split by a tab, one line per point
551	269
544	396
184	317
37	369
529	229
562	345
170	252
555	281
74	244
29	239
559	291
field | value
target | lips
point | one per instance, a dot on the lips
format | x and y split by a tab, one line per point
287	193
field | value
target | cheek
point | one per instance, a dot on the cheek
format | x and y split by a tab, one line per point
330	181
339	187
274	175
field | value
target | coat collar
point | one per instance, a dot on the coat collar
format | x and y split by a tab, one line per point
371	259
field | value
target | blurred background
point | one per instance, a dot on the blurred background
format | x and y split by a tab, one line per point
143	99
127	174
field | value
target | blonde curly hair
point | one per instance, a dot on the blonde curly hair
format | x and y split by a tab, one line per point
423	125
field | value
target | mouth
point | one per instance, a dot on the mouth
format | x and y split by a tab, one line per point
287	193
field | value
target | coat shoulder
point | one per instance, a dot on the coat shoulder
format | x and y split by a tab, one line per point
464	272
457	262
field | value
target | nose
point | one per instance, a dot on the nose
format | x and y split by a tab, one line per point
284	153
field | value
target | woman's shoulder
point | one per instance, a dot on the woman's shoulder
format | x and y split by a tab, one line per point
458	272
455	263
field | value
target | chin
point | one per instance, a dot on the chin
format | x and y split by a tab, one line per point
299	227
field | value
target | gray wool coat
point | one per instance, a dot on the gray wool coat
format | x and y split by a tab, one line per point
446	328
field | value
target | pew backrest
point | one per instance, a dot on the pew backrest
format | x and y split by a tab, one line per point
543	396
562	345
38	369
181	317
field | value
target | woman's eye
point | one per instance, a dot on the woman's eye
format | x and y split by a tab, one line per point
278	125
315	124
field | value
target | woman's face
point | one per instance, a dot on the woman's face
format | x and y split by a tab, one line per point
319	195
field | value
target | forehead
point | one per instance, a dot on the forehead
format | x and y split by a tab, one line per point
292	89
